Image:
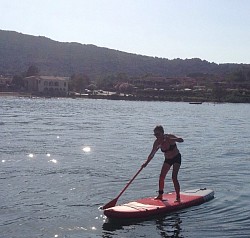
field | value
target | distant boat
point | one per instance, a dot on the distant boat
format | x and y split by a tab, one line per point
195	102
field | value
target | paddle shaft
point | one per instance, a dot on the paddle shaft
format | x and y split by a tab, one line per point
129	183
114	201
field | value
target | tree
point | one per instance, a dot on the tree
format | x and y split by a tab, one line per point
79	82
107	82
125	88
32	71
240	75
248	75
218	92
17	81
122	77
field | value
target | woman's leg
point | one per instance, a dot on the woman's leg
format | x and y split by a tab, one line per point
164	170
176	168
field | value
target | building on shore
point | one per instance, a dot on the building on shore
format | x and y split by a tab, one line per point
47	85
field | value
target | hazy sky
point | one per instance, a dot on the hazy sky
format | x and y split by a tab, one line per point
213	30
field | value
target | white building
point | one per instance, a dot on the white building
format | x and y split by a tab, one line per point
47	85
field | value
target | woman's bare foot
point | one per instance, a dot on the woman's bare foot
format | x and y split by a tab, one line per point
177	200
159	197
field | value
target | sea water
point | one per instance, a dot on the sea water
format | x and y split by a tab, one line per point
61	159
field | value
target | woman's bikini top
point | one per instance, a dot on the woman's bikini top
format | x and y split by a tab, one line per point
171	147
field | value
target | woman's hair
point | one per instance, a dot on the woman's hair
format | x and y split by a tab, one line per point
159	128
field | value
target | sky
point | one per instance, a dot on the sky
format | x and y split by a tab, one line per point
214	30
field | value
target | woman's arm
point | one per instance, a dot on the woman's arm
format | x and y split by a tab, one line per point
175	138
152	153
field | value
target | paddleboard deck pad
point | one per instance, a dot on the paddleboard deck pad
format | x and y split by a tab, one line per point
148	207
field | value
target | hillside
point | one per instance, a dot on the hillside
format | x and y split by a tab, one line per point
19	51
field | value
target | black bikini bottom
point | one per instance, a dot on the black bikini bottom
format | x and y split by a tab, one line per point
176	159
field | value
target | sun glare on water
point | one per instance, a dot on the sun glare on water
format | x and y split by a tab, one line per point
86	149
53	161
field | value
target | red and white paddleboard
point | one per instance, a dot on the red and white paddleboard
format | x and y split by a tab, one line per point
147	207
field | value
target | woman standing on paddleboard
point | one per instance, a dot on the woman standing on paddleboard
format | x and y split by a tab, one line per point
167	144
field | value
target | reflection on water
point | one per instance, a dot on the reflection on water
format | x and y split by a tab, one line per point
170	226
86	149
166	226
31	155
53	161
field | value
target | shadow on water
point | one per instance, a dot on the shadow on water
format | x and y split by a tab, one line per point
166	226
169	226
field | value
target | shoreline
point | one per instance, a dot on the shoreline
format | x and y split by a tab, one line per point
15	94
190	100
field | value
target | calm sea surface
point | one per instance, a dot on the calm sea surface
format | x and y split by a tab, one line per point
61	159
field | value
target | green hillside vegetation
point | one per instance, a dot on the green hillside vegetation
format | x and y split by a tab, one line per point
24	55
19	51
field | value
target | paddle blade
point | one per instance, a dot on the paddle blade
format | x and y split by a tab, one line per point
110	204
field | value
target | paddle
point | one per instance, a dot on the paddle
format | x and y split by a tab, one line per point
114	201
